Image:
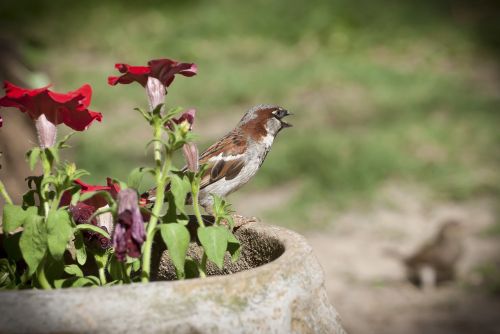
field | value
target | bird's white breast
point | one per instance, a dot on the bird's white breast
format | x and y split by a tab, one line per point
254	157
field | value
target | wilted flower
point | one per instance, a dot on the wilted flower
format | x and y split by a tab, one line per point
70	108
129	233
162	69
190	151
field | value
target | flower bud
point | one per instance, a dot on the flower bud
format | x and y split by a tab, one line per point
46	130
190	151
70	169
156	92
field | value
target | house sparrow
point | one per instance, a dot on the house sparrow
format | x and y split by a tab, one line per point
436	261
235	158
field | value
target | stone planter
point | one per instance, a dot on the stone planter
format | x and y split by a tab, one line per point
282	292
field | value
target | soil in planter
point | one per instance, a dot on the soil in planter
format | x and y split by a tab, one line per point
257	249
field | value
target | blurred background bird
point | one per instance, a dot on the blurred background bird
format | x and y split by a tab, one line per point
436	261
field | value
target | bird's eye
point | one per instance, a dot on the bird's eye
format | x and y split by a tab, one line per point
280	113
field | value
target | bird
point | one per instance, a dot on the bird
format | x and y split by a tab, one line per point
435	262
235	158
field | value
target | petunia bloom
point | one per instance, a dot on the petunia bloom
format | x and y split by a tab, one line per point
70	108
129	233
162	69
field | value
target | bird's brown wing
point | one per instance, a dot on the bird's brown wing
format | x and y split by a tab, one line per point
225	158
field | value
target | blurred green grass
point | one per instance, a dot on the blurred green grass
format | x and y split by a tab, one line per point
382	91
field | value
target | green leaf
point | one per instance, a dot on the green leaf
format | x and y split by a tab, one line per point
101	258
62	143
73	270
14	216
115	268
59	232
136	265
145	114
74	191
33	157
81	251
79	173
180	187
33	242
135	177
191	268
93	228
76	282
233	246
52	154
214	241
176	237
171	215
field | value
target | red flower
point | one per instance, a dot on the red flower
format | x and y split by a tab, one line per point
161	69
70	108
98	201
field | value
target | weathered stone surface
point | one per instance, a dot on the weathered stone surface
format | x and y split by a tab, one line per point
285	295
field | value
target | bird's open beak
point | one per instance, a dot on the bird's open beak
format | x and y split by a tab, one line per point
285	124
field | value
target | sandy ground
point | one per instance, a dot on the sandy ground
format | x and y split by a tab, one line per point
367	285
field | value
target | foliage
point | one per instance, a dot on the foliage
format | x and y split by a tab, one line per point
63	223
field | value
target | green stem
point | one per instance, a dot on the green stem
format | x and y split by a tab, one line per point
203	266
123	267
5	195
46	172
161	183
40	275
196	205
102	276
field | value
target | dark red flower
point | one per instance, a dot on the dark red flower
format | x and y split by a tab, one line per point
81	213
129	233
1	121
161	69
70	108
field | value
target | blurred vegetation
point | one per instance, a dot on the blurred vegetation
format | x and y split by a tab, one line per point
381	91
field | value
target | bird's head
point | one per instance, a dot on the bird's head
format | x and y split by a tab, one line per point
265	119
